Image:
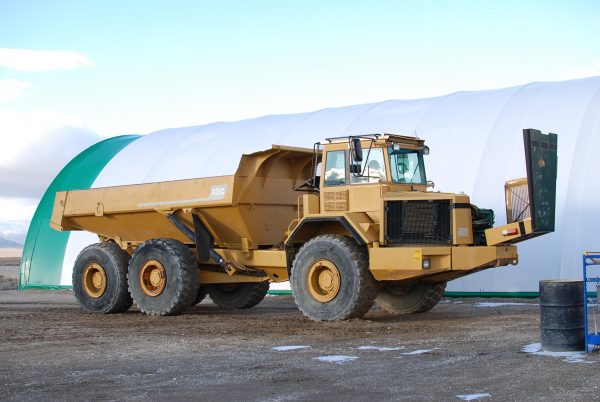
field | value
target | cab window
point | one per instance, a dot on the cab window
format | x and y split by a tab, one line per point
407	166
372	167
335	168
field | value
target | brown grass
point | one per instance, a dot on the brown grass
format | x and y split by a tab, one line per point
10	256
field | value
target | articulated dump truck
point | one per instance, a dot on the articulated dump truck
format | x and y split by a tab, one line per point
350	222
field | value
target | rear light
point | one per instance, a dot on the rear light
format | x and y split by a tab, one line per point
510	232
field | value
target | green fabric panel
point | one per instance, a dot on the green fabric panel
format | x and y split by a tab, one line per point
44	250
280	292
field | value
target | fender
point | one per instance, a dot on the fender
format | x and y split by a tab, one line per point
306	223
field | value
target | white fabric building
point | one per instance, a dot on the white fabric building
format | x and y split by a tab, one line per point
476	145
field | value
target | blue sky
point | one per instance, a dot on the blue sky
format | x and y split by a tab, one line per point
160	64
120	67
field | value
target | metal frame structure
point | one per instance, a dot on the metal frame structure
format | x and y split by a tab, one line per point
590	259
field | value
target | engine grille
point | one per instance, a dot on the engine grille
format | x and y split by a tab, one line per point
418	222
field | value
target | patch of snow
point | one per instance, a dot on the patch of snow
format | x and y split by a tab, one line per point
339	359
473	397
380	348
418	352
503	304
569	357
290	347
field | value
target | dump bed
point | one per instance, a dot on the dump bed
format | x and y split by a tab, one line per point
257	203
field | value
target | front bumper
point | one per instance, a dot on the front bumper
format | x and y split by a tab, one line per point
404	263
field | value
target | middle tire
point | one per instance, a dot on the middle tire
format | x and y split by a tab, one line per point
403	299
163	277
331	280
237	295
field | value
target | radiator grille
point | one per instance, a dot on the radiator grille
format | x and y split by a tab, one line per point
418	222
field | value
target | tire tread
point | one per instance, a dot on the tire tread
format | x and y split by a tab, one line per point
368	287
120	259
185	295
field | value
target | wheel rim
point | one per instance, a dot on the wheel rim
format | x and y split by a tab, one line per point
94	280
153	278
323	281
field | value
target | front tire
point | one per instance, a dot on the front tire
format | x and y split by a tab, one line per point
163	277
238	295
413	299
331	280
100	279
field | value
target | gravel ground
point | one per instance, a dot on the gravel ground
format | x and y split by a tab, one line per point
51	349
9	276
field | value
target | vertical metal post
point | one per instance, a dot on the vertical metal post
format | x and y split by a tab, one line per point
585	305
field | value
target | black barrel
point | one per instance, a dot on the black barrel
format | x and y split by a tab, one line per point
561	316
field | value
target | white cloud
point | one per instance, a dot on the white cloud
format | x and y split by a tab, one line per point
35	147
42	60
16	230
12	89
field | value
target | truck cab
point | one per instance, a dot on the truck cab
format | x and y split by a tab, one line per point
377	186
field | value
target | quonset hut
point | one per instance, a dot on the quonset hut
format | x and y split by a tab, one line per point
476	145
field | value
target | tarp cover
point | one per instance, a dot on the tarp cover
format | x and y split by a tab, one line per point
476	145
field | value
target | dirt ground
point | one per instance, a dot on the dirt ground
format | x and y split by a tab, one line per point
51	349
10	258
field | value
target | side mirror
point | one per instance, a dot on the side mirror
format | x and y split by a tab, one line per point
425	150
357	149
355	169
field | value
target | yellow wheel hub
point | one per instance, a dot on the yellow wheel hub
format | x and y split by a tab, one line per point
153	278
94	280
323	281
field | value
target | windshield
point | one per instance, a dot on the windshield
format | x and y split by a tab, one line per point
407	166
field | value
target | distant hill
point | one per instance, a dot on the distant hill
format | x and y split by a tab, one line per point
14	231
9	244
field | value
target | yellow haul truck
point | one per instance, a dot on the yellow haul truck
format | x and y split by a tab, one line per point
349	223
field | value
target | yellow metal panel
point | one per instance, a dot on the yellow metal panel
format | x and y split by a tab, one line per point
208	277
260	258
310	204
468	258
365	197
499	235
364	225
462	222
397	263
56	221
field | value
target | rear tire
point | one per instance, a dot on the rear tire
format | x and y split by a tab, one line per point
413	299
163	277
331	280
100	279
238	295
